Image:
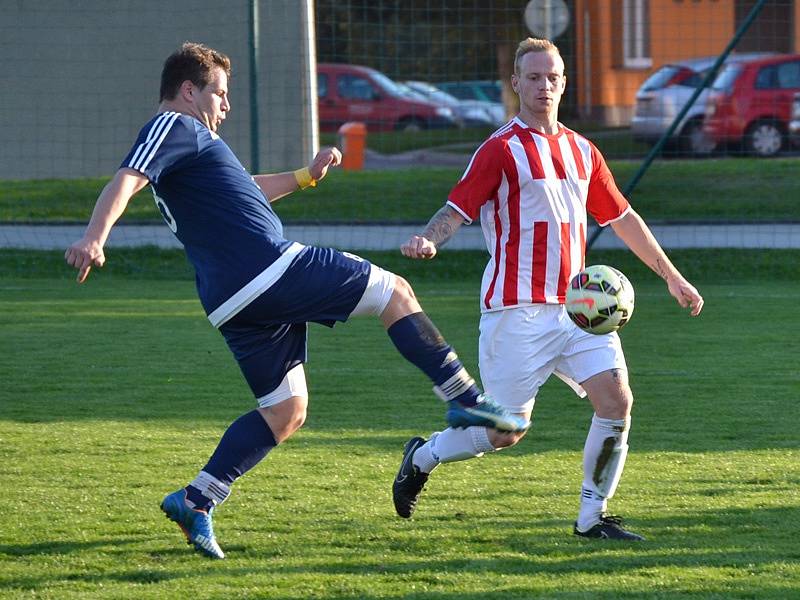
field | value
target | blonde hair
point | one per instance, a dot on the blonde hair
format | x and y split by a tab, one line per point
533	45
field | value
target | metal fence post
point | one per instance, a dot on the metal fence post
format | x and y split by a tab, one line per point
254	112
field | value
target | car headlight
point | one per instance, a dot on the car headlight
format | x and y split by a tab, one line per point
443	111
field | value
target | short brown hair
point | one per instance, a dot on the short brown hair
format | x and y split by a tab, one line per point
533	45
193	62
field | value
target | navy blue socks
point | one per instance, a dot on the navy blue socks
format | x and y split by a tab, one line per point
418	340
245	443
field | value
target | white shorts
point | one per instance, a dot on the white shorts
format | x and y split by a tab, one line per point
521	347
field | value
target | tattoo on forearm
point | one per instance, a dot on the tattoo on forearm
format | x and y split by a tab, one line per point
441	227
660	269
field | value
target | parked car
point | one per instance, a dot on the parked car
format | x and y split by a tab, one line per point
751	104
794	123
484	90
472	113
355	93
664	93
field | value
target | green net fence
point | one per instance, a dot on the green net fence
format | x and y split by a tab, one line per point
429	79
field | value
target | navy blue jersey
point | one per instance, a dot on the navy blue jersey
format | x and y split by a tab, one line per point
230	233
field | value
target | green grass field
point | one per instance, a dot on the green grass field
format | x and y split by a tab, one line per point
114	393
676	190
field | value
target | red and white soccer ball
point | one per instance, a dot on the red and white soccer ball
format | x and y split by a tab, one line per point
600	299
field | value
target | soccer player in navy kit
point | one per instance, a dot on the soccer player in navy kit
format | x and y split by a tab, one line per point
258	288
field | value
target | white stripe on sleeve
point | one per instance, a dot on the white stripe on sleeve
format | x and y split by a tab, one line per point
167	126
154	129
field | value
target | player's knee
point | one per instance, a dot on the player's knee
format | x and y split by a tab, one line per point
403	292
623	399
298	417
614	406
402	303
286	417
626	401
610	394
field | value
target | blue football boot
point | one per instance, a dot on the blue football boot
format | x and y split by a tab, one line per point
486	413
195	524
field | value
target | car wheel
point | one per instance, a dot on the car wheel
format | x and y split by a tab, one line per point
694	141
410	124
764	138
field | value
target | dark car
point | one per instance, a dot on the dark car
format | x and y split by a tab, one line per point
355	93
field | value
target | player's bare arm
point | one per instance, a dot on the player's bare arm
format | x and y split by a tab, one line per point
442	226
277	185
112	202
632	230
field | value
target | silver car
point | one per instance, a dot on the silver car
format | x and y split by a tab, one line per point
794	122
662	96
473	113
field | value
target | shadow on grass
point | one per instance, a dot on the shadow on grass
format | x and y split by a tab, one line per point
731	541
386	423
64	547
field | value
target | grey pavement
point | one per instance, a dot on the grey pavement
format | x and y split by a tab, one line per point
415	158
389	237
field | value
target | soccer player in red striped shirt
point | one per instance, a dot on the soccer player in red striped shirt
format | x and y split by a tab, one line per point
532	185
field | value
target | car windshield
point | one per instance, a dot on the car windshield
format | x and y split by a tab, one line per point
408	92
389	86
727	77
661	78
432	93
491	90
694	80
443	97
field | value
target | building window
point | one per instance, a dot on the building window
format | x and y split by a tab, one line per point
636	34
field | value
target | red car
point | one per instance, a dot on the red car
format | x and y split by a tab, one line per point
750	103
354	93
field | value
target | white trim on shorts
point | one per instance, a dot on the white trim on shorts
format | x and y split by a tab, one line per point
377	293
257	286
293	384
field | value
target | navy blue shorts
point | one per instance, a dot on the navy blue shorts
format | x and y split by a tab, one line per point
268	336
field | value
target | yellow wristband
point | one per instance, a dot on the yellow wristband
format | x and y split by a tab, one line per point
304	179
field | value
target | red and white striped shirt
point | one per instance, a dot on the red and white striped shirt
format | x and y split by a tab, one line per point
532	192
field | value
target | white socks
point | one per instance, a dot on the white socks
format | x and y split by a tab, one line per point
211	487
603	461
452	445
